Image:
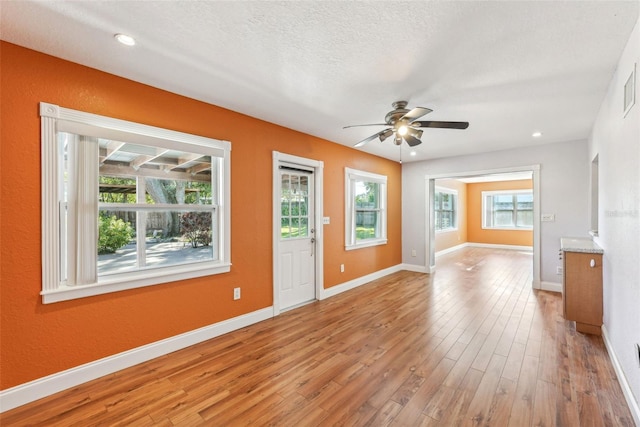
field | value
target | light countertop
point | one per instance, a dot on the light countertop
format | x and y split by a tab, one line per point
576	244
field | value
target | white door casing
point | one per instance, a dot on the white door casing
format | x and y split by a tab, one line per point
297	237
297	240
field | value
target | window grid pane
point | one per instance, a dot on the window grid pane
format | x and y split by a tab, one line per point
294	210
445	206
118	246
367	212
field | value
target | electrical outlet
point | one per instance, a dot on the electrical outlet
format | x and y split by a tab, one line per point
559	271
341	268
413	252
236	293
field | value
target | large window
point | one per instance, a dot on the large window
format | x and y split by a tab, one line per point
365	214
507	210
127	205
446	209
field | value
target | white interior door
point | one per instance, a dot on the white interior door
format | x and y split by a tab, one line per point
297	238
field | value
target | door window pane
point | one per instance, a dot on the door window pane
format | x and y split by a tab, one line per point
294	205
284	227
295	227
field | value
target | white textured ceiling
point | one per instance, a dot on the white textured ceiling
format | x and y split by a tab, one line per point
507	67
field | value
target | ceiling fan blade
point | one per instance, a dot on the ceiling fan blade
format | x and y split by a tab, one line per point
416	113
412	141
371	124
371	138
444	125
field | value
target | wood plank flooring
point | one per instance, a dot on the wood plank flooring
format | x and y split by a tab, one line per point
469	345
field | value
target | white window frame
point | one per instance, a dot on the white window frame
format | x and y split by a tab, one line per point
502	192
455	209
351	176
54	119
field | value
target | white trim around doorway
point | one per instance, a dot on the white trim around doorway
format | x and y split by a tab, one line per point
318	169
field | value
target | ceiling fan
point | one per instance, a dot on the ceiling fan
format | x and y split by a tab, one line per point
405	125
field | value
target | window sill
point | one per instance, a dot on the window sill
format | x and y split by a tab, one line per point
366	244
509	228
446	230
134	280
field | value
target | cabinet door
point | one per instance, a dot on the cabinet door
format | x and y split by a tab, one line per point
583	287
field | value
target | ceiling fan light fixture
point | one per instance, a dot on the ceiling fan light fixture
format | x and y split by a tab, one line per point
404	126
386	134
416	133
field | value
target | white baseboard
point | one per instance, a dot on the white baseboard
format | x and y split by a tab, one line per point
37	389
634	407
415	268
494	246
343	287
551	286
46	386
483	245
452	249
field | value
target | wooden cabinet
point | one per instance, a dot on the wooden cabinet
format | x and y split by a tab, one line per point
582	290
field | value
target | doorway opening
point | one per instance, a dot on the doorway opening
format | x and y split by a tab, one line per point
497	208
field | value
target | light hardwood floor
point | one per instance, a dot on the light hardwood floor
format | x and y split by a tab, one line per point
470	345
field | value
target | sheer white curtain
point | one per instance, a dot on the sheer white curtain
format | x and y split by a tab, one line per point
82	210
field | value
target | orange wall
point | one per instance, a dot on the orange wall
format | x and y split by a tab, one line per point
38	340
475	233
449	239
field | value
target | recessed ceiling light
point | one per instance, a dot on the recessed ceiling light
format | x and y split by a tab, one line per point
125	39
413	153
536	134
